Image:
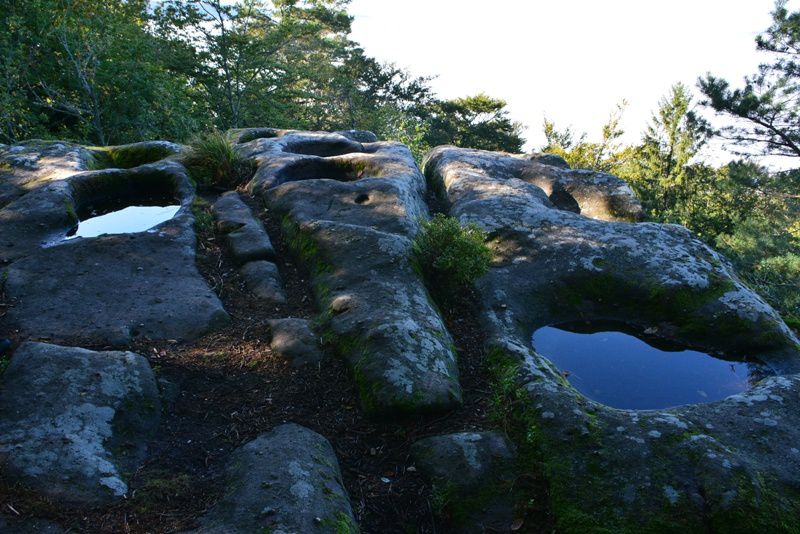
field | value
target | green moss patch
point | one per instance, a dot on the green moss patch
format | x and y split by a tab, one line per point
128	156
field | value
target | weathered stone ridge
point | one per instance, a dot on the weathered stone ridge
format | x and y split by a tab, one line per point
730	465
476	472
350	210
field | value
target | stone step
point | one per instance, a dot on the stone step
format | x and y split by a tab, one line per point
243	233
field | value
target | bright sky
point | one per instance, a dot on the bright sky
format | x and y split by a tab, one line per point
569	60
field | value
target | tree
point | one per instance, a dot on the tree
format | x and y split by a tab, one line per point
766	110
661	171
478	121
607	155
252	55
82	71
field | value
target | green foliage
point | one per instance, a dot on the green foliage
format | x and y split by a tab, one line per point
606	155
661	170
766	109
85	71
203	220
450	256
131	70
212	160
765	248
478	121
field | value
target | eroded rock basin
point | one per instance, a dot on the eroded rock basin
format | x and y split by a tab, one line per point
610	363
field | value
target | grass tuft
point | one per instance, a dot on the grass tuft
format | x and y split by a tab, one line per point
212	160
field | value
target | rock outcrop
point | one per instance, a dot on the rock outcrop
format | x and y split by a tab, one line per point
350	211
286	480
567	245
73	420
708	466
249	245
108	289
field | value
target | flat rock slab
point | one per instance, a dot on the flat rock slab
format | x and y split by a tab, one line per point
113	289
350	212
730	465
73	420
244	234
110	289
286	480
474	472
264	281
295	341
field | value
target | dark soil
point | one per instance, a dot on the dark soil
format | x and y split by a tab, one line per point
228	387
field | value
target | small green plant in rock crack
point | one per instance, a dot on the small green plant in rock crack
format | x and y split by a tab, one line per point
450	256
203	220
212	160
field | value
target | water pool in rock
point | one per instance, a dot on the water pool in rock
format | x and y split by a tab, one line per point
127	220
608	364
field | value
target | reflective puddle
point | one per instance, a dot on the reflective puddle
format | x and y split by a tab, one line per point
124	221
620	370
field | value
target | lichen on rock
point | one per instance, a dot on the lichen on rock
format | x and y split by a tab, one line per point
350	211
724	466
74	420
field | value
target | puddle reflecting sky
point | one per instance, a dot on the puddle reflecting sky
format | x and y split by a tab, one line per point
125	221
623	371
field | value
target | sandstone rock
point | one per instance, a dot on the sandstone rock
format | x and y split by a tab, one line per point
549	159
245	135
362	136
112	288
73	420
264	281
286	480
596	195
134	154
244	234
474	471
696	468
295	341
350	212
32	164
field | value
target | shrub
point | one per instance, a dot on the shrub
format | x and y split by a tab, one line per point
212	160
449	256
